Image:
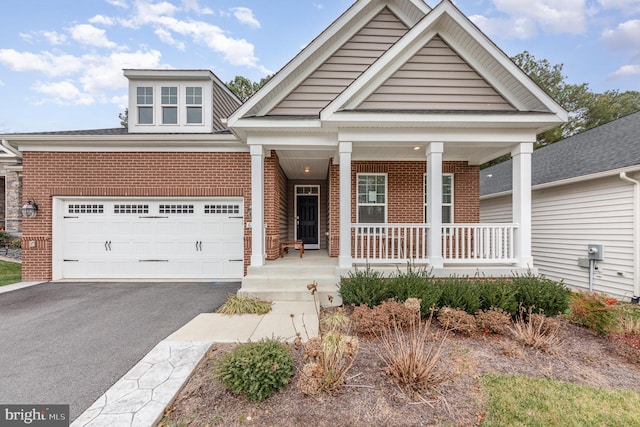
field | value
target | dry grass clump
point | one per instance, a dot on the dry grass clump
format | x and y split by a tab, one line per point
412	357
328	357
457	320
373	321
495	321
537	331
244	305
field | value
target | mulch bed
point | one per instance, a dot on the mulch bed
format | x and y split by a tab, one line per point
371	399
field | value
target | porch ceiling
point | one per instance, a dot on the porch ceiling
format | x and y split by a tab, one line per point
313	163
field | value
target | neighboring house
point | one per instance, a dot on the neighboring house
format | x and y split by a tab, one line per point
367	145
10	189
585	190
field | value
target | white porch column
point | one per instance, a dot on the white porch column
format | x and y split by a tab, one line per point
257	206
522	203
344	259
434	203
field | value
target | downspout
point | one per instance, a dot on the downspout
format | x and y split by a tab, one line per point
11	148
636	234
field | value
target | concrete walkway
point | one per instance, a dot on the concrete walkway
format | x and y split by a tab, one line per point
140	397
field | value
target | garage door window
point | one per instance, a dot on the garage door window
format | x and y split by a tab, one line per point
86	209
221	209
131	209
176	209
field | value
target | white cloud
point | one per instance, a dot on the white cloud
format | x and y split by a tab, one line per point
64	93
626	36
554	16
520	28
122	101
44	62
28	37
1	83
193	5
89	35
626	71
54	37
118	3
105	72
625	5
318	6
245	16
101	20
166	37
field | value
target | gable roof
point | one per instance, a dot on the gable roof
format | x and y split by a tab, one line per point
608	147
511	85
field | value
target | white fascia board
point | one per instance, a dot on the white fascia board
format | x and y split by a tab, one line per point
142	74
573	180
421	135
299	60
265	123
506	62
293	140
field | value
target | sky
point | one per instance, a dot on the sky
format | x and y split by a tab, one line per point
61	61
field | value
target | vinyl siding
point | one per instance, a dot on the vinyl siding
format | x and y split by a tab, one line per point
436	78
343	67
223	106
497	209
566	219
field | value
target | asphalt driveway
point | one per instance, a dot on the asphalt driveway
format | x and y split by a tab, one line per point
68	343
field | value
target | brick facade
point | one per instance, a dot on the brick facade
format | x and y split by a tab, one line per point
405	190
49	174
275	205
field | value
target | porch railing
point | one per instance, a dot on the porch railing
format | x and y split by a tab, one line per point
461	243
478	243
389	243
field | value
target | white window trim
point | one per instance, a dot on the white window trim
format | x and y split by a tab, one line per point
152	106
386	196
452	204
176	106
187	105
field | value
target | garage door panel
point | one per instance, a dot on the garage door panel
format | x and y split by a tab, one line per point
153	239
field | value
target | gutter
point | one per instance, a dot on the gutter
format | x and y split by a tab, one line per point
11	148
636	233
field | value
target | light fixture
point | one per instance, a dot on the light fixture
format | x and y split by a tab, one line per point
30	209
249	210
307	169
416	148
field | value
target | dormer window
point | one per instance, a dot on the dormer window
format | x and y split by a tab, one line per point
145	105
193	102
170	105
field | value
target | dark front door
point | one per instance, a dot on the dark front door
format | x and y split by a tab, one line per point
308	219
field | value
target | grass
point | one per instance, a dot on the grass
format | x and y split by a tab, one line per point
524	401
10	272
244	305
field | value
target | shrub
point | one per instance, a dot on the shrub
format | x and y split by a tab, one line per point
592	311
537	330
495	321
500	294
541	293
336	320
415	283
462	293
373	321
256	370
629	319
457	320
244	305
410	358
364	287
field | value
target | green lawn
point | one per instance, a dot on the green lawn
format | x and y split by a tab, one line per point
524	401
10	272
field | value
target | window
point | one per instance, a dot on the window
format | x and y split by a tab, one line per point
194	105
372	198
131	209
176	209
145	105
170	105
447	198
86	208
222	209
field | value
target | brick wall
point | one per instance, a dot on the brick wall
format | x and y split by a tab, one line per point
405	189
275	204
49	174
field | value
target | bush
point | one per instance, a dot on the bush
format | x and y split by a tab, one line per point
537	330
541	293
462	293
364	287
244	305
373	321
499	294
495	321
415	283
256	370
457	320
592	311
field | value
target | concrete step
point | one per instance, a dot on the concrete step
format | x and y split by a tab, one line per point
279	289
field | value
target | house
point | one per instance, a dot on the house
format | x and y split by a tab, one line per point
585	191
366	146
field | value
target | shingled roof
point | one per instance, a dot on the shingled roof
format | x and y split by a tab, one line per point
106	132
614	145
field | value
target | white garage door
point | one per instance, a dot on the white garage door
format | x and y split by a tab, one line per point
127	238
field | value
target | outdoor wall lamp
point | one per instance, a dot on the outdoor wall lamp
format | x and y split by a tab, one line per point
249	210
30	209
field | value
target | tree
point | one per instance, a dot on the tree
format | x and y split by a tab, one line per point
245	88
124	118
